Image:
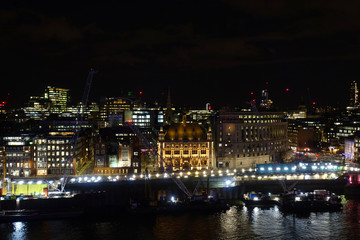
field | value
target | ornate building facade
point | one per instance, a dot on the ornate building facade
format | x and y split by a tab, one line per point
186	146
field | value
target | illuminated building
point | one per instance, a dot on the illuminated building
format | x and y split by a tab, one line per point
247	138
18	155
36	108
117	151
352	148
343	128
112	111
145	117
301	112
116	111
357	148
205	117
63	124
186	146
265	101
354	96
58	99
53	154
88	112
349	149
306	134
84	152
93	111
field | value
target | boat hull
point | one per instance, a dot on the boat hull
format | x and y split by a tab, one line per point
259	203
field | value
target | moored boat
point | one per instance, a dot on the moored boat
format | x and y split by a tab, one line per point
259	199
315	201
198	203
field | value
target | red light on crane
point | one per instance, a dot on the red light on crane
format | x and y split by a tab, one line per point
252	93
313	102
140	92
287	89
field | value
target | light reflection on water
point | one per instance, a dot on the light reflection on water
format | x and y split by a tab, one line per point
236	223
19	231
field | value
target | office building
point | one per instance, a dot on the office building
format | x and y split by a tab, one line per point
246	138
117	151
58	99
53	154
18	160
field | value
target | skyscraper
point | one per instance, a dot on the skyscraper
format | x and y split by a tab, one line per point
354	95
58	99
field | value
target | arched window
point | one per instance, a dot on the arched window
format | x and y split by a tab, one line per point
203	149
186	150
167	150
177	150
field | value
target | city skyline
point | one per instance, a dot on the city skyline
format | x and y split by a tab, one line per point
217	52
258	97
180	119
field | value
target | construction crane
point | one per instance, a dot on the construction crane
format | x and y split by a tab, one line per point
162	162
79	119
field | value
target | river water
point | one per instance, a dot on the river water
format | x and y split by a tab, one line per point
236	223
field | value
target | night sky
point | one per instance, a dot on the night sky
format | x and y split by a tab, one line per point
204	51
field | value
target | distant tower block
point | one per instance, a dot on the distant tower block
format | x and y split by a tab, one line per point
265	101
354	95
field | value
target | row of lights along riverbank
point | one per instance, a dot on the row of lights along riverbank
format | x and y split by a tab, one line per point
243	174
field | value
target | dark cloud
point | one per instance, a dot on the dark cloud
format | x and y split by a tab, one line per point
50	28
208	44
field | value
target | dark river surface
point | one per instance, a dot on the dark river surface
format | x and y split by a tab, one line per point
236	223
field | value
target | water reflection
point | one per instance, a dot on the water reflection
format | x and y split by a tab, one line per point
352	217
185	226
19	231
232	224
236	223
